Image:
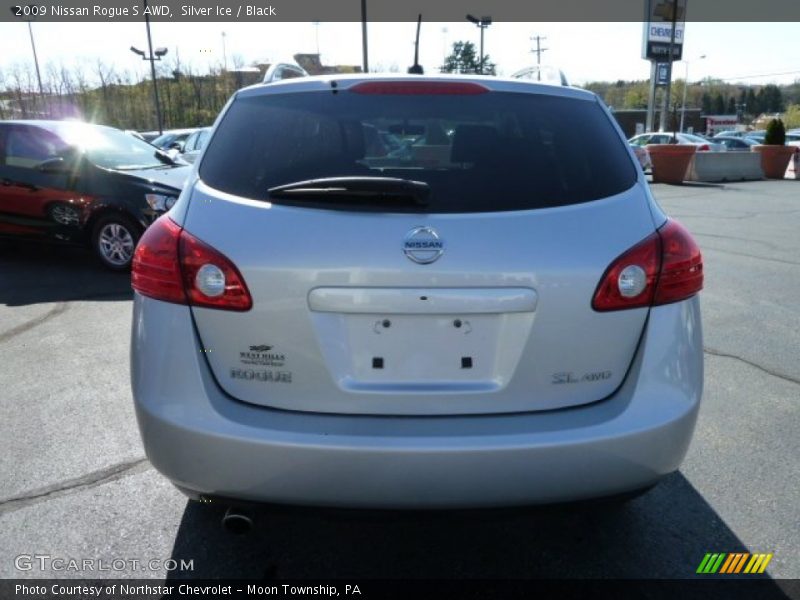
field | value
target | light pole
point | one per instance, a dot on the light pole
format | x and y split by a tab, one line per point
152	57
482	24
364	41
224	54
35	58
686	85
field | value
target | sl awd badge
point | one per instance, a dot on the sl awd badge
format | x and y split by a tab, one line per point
423	245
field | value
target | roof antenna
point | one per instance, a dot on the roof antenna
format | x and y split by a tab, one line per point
416	68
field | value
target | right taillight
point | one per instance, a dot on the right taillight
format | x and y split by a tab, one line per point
664	267
681	265
172	265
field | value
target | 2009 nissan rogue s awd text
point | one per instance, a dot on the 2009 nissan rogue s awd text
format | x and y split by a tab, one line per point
416	292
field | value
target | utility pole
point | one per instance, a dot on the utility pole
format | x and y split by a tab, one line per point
665	107
538	53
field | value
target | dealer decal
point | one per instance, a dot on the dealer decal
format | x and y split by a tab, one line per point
262	355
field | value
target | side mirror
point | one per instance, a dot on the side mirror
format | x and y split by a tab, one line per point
56	165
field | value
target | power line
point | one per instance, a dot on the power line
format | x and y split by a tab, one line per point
757	76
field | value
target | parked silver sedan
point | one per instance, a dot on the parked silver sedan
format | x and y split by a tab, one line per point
735	144
665	137
194	144
501	316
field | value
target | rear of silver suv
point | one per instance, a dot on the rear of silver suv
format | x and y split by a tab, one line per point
416	292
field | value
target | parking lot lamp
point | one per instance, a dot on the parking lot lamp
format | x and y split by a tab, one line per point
685	86
33	48
482	24
152	57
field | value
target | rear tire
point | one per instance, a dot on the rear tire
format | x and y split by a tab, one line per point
114	239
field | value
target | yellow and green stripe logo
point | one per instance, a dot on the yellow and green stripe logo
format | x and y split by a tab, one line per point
733	563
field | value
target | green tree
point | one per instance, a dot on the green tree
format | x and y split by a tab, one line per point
770	98
636	96
791	118
718	107
705	103
753	106
464	59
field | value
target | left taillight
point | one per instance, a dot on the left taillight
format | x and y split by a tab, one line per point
210	279
172	265
155	271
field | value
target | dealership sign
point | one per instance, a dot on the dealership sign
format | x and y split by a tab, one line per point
658	29
717	123
663	73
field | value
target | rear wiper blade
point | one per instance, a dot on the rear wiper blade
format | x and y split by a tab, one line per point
387	190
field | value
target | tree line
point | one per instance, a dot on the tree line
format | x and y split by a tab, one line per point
712	96
106	94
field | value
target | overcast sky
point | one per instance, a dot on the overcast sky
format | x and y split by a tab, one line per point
746	52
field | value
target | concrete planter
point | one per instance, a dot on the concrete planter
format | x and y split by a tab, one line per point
725	166
670	161
774	159
793	172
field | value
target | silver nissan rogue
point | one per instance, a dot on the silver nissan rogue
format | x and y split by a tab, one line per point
416	292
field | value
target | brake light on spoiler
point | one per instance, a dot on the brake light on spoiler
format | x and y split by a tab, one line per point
456	88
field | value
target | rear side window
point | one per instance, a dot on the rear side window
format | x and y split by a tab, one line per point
28	147
494	151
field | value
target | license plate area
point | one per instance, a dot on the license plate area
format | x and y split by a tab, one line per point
405	353
423	348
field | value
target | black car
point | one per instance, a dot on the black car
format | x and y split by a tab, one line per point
68	181
174	139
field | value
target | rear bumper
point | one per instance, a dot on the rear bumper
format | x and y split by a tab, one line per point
206	443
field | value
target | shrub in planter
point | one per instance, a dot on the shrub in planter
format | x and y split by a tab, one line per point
776	133
775	155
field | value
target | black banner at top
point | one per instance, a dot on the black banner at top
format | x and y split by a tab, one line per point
387	10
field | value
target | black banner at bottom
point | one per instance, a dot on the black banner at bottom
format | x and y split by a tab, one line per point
378	589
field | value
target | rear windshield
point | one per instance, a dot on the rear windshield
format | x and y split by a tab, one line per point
495	151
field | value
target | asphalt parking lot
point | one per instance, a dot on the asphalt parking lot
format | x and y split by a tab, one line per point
76	484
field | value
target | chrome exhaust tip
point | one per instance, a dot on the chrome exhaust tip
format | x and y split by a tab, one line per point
237	521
